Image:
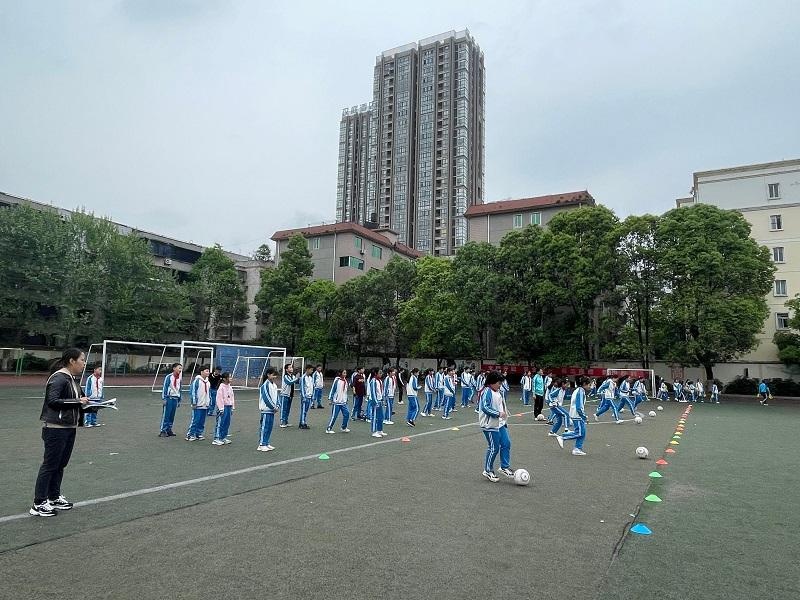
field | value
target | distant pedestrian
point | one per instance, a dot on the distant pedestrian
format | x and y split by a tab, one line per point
224	406
763	393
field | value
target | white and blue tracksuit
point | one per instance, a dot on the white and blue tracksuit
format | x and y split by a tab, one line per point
413	404
287	391
714	393
504	388
171	397
430	390
268	405
319	385
93	391
578	417
560	416
306	397
449	396
466	388
389	390
375	393
639	393
200	396
494	428
626	397
527	387
663	392
439	378
606	391
678	387
337	398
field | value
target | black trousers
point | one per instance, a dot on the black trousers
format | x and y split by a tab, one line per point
58	445
538	405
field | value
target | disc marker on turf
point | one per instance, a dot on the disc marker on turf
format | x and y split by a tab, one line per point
641	529
652	498
324	456
656	475
661	461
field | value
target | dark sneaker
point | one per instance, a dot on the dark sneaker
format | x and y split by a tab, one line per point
163	434
170	433
45	509
491	476
60	503
508	472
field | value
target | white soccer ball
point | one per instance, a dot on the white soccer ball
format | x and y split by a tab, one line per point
642	452
638	420
660	407
652	413
540	417
522	477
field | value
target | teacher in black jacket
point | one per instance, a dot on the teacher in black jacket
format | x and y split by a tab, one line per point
62	414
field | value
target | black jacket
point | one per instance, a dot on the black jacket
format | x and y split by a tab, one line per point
61	404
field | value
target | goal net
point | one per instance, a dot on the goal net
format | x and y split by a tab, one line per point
649	376
246	364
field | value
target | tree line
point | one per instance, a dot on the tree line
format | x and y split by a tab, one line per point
688	287
79	280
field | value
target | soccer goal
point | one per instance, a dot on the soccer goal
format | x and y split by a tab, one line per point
11	360
246	364
128	364
649	376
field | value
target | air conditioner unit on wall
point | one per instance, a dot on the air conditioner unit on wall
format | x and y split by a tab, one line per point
361	252
168	261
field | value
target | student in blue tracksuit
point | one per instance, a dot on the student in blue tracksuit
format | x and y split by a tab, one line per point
677	387
214	380
577	415
306	396
639	392
319	385
200	396
449	382
376	398
439	379
606	391
287	393
555	401
370	401
94	392
171	398
663	391
526	383
493	421
337	398
268	406
504	387
626	395
389	392
466	387
412	388
430	390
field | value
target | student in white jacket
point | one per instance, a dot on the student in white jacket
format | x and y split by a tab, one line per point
492	420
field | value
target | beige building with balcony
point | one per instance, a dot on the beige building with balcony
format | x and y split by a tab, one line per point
768	196
490	222
343	251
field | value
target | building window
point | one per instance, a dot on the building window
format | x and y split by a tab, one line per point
777	254
313	243
351	261
782	320
775	223
780	287
536	218
358	242
377	252
517	221
774	190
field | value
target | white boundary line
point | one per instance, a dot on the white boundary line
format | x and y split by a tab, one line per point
179	484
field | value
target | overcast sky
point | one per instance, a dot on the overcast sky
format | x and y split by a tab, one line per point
218	120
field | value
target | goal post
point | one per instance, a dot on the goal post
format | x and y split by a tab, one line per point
11	360
245	363
648	374
129	364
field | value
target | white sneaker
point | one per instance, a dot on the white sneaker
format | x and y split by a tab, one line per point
263	448
270	447
551	434
577	452
447	418
491	476
329	431
383	433
560	441
618	421
45	509
596	418
388	422
217	443
423	414
568	431
345	430
377	434
283	425
227	441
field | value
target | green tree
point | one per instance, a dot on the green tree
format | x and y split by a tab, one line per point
280	297
217	292
640	283
263	253
715	279
478	290
319	341
348	321
386	291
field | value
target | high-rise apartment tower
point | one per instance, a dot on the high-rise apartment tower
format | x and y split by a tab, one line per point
425	149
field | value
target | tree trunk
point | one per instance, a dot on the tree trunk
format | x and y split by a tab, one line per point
709	371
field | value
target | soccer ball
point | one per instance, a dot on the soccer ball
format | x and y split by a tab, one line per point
642	452
638	420
522	477
652	413
660	407
540	417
